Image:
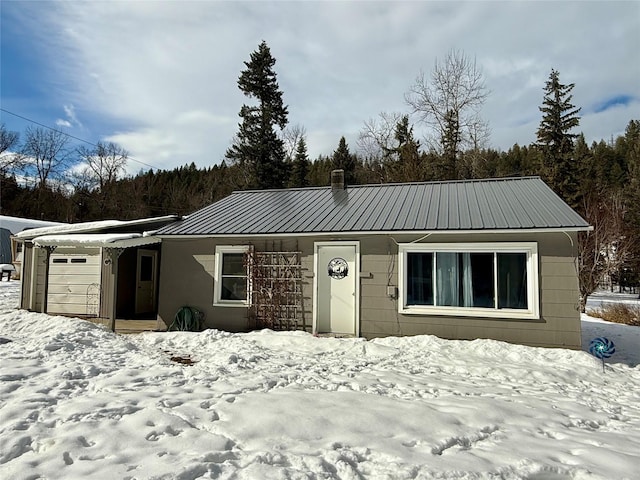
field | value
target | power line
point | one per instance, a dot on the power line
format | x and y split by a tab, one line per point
71	136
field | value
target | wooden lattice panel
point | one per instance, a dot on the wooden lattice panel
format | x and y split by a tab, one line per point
276	290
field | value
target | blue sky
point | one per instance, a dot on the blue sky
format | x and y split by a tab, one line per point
159	78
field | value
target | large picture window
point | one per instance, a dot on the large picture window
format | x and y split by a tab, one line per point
493	280
231	280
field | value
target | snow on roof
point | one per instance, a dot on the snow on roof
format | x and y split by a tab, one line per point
17	224
70	228
87	227
123	240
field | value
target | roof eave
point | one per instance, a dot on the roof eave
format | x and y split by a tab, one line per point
384	232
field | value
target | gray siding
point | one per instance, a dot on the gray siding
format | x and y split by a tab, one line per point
559	324
187	275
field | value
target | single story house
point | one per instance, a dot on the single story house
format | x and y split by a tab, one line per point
459	259
94	269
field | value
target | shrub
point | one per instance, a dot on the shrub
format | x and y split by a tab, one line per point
618	313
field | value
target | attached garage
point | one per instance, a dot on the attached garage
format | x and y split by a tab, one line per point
98	275
104	269
74	281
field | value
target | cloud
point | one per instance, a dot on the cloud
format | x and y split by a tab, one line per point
613	102
71	120
63	123
160	78
70	110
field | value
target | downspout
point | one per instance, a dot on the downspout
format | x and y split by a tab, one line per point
582	303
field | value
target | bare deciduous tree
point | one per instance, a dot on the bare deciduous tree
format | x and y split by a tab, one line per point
101	167
8	141
291	136
602	251
448	102
105	162
377	136
46	153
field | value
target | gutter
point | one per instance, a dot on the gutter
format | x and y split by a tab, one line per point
385	232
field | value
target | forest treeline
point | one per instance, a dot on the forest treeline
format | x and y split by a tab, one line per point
600	180
608	168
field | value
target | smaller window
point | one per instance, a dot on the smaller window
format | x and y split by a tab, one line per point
58	260
234	277
231	280
78	260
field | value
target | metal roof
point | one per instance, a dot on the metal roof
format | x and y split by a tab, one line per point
521	203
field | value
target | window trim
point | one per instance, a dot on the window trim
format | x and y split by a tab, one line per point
533	291
217	279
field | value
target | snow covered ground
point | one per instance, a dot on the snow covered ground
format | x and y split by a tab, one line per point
78	402
603	297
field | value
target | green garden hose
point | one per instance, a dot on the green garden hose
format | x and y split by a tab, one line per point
187	319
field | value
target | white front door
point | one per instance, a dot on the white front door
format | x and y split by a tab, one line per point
336	294
146	273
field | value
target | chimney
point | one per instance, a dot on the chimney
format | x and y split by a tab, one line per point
337	180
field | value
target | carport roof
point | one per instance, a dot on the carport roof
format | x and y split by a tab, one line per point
101	226
107	240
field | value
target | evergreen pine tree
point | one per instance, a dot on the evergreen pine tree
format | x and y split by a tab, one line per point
320	171
632	189
258	147
559	117
300	166
405	162
450	146
588	180
343	159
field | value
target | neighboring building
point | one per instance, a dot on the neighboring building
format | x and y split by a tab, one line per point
96	269
10	250
5	246
6	266
462	260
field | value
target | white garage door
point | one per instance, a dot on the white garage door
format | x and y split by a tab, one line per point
74	281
